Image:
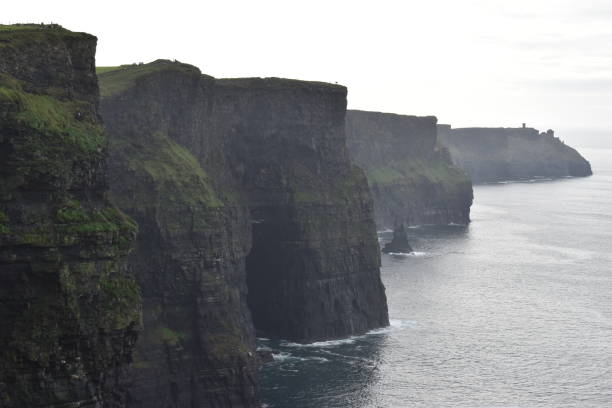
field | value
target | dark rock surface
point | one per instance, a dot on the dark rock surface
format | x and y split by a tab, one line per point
313	272
236	183
69	311
499	154
399	243
412	178
198	344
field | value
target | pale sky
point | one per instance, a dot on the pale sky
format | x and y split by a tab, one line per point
468	62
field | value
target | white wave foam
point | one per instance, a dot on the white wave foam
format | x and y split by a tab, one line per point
394	324
402	324
406	254
263	339
329	343
284	356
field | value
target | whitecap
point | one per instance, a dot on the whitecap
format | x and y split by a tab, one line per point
406	254
328	343
284	356
402	324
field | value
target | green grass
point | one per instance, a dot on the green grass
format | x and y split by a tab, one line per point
120	301
30	27
20	36
384	175
166	335
115	80
52	117
278	83
175	172
414	171
103	70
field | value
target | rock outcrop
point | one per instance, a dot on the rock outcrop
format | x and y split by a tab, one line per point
412	178
313	272
399	243
236	184
69	311
198	346
498	154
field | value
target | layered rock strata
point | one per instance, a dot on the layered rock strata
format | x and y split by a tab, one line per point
69	311
236	185
313	272
412	178
197	347
499	154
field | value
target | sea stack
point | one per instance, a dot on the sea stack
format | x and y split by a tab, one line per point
399	243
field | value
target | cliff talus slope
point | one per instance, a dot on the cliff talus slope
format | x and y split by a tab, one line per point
412	178
69	312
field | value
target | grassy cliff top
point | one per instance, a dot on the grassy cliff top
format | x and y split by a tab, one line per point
32	27
278	83
34	31
114	80
386	115
495	129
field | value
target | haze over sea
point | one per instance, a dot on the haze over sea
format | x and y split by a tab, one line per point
514	310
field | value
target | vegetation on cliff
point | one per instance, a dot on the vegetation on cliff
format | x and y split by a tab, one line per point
121	78
69	310
412	177
189	258
498	154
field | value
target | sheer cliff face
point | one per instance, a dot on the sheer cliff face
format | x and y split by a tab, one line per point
313	272
197	347
69	312
497	154
237	185
412	178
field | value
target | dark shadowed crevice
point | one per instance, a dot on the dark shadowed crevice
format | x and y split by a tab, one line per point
262	265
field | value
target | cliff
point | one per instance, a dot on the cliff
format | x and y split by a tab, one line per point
197	347
497	154
411	177
238	186
313	272
69	311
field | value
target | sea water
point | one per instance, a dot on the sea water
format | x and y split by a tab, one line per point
514	310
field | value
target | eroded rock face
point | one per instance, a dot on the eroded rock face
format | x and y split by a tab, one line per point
198	345
498	154
313	272
69	311
399	243
236	183
412	178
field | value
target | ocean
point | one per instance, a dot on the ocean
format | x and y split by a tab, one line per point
514	310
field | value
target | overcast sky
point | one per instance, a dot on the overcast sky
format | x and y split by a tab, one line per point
468	62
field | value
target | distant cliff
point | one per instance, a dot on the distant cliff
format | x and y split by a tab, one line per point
497	154
69	311
236	184
412	178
